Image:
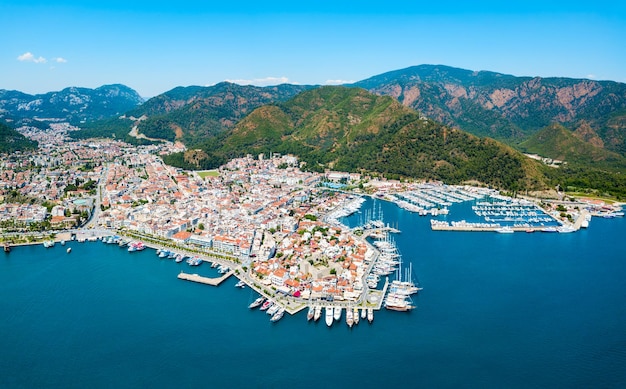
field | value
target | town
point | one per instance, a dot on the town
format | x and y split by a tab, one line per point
261	217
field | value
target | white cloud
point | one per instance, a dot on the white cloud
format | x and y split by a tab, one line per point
29	57
338	82
261	81
60	60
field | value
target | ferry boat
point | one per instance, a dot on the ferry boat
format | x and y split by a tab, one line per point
370	315
266	305
310	313
329	316
318	313
257	302
349	317
278	315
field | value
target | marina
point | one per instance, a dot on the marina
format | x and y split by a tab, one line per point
480	290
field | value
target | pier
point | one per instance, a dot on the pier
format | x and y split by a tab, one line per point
204	280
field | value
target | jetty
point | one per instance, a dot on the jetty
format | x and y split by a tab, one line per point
204	280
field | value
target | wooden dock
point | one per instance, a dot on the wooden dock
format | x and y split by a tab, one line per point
204	280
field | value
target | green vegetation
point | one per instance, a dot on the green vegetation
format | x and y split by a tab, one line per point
11	140
557	142
208	173
352	130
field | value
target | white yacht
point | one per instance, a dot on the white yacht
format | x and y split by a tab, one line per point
329	316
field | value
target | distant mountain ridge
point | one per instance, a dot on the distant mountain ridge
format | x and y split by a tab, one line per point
350	129
193	113
73	104
507	107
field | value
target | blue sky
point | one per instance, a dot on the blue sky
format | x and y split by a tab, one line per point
154	46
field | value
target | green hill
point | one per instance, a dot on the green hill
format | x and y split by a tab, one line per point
557	142
350	129
191	114
11	140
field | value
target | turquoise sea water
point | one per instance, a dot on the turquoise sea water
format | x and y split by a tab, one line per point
497	310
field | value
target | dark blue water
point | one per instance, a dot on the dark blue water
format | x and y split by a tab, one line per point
497	310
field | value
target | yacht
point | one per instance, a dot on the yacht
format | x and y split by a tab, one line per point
278	315
505	230
318	313
310	313
355	315
240	284
349	317
337	313
273	309
329	316
370	314
257	302
363	313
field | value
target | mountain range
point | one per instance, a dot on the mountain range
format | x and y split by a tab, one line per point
74	105
509	108
581	121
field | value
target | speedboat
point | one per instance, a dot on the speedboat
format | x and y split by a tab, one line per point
266	305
